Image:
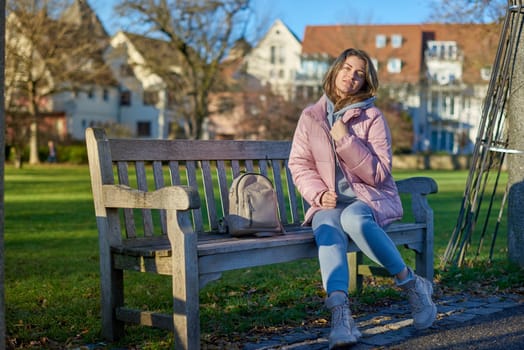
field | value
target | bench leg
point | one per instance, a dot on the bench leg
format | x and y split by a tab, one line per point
355	279
424	260
185	279
112	290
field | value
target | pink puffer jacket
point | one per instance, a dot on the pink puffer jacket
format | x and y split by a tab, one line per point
365	157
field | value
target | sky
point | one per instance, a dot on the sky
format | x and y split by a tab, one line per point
297	14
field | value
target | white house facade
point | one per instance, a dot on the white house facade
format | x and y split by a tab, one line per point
143	103
275	60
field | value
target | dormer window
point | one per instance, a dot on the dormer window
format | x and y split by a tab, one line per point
380	41
396	40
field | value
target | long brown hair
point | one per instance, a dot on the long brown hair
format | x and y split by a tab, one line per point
368	89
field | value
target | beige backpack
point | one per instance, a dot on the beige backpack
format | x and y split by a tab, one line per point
253	208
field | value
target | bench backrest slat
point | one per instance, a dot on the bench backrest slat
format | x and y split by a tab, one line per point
174	171
222	184
158	174
129	219
192	181
141	179
209	194
294	206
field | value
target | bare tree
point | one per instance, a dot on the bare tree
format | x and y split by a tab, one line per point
467	11
201	33
46	54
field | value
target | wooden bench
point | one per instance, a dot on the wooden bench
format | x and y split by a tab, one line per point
159	205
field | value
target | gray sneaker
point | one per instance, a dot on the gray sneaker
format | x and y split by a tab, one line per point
423	309
344	331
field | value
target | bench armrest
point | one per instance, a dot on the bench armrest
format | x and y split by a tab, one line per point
170	197
418	188
419	184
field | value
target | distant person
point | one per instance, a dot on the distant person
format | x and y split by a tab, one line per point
52	152
340	161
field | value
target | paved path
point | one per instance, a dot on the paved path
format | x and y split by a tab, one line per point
463	322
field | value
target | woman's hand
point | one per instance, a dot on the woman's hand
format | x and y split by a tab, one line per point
339	130
328	200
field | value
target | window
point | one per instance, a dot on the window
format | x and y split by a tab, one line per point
452	52
277	55
380	41
443	50
281	55
125	98
273	54
394	65
150	97
105	94
91	94
396	40
143	129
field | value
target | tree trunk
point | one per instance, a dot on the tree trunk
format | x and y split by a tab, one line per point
516	161
18	161
33	143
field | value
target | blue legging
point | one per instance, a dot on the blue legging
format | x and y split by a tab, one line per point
334	227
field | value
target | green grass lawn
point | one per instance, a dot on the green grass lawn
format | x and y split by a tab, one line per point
52	278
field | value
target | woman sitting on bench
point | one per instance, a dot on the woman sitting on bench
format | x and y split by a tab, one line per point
341	164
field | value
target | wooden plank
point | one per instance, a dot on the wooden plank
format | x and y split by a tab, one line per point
249	165
158	175
155	264
276	171
109	232
192	181
141	180
235	168
262	164
293	203
129	216
209	195
223	186
174	171
186	150
145	318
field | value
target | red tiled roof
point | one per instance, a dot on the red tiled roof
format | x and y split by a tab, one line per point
478	43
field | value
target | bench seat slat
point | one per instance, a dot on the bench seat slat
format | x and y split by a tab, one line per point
219	244
219	255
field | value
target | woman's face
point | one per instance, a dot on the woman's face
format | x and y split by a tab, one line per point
351	76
